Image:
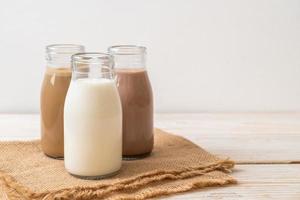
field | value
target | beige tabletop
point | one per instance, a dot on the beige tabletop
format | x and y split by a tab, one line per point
266	147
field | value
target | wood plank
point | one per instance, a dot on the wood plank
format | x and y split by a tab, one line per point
19	126
276	181
245	137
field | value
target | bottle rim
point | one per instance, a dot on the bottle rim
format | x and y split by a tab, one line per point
64	48
127	50
92	58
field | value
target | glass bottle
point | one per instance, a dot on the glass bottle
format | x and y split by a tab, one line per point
136	97
54	88
93	118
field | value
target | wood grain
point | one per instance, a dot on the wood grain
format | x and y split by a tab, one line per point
245	137
248	138
255	182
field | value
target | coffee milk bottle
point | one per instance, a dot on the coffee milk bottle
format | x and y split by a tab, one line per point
93	118
136	97
54	88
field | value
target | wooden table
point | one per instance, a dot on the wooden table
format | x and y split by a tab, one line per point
266	147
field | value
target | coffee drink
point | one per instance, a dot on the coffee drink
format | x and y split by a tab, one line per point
54	89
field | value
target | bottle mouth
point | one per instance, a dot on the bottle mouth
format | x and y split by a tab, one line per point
127	50
68	49
93	58
92	65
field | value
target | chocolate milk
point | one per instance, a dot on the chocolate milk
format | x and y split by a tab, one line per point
137	104
54	89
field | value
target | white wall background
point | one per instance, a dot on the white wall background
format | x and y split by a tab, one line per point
213	55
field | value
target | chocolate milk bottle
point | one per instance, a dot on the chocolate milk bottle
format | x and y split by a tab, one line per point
53	92
136	98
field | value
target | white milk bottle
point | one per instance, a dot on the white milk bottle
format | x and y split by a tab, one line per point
92	118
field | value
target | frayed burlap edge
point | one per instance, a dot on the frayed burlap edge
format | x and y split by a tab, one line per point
15	190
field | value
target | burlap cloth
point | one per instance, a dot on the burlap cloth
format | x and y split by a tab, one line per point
176	165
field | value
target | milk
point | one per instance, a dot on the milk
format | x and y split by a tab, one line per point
92	128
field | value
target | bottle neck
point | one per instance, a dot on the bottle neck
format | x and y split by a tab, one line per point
128	56
59	61
59	55
92	65
129	62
